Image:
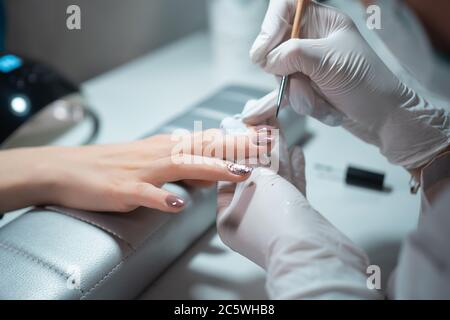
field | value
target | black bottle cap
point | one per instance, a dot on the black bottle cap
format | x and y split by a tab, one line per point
364	178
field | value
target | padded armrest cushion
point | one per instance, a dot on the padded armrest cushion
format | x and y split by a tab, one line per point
46	252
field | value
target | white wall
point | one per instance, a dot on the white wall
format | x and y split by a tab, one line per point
113	31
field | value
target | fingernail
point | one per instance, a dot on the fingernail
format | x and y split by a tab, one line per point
264	128
239	169
174	202
262	140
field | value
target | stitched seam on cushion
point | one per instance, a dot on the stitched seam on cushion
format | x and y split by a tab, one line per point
117	266
144	242
150	236
31	257
95	224
105	276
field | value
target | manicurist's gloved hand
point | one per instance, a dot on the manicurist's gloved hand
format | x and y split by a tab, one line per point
252	216
268	219
337	78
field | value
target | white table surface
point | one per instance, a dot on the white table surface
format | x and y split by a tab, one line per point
144	94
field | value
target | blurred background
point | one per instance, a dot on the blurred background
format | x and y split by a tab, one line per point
113	31
116	31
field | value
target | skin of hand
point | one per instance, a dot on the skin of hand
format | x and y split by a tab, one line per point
120	177
336	75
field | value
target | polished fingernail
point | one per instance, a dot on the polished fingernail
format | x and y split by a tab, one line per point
262	140
239	169
174	202
264	128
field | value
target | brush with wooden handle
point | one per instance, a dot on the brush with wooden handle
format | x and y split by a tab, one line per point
296	30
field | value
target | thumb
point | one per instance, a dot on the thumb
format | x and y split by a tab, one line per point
259	111
295	55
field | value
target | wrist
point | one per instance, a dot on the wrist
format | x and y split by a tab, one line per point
417	172
26	178
44	177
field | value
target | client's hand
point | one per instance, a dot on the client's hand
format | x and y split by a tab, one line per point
121	177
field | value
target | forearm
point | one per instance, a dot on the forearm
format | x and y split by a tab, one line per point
24	181
417	173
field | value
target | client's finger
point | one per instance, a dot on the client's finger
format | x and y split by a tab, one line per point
192	167
149	196
234	147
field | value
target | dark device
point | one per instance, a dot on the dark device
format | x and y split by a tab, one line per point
36	103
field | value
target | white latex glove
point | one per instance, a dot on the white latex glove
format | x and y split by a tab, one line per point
337	78
253	215
290	165
268	220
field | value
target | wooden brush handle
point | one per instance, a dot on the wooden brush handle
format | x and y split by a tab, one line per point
296	29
